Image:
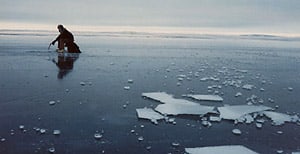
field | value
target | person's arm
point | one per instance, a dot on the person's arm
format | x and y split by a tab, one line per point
57	38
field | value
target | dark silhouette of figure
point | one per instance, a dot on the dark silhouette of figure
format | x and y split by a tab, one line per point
65	63
65	39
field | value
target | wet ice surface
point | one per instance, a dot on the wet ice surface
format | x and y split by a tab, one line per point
104	89
206	97
234	149
147	113
238	111
280	118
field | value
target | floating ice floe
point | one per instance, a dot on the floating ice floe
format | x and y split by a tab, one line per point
166	98
147	113
184	108
234	149
236	112
280	118
216	98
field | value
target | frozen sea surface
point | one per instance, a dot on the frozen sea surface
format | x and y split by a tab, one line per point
94	114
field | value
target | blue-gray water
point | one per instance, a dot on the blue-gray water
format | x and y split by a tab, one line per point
29	80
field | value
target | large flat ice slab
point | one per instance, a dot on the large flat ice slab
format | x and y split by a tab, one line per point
148	113
280	118
184	108
216	98
237	111
166	98
232	149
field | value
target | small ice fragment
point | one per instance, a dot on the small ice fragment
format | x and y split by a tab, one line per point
216	98
51	150
175	144
56	132
248	86
262	89
3	140
279	151
42	131
148	113
279	132
214	118
21	127
206	123
148	148
278	118
130	81
260	120
142	126
180	79
132	131
236	132
232	149
290	88
52	102
82	83
178	84
141	138
238	94
124	106
258	125
97	136
127	88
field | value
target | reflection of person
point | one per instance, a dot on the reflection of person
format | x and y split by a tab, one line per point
65	63
65	39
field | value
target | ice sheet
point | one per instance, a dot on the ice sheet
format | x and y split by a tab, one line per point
166	98
148	113
279	118
216	98
184	108
233	149
237	111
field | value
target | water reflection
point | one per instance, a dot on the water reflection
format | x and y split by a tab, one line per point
65	63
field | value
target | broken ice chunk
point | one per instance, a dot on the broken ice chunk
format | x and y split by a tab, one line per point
126	87
82	83
258	125
236	149
237	111
184	108
238	94
248	86
165	98
130	81
279	118
52	102
216	98
236	132
214	118
147	113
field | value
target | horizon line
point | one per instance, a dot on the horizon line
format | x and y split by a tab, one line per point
142	29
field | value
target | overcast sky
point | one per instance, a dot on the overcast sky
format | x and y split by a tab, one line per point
261	15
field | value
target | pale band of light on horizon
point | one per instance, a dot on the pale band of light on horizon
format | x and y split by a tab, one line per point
223	17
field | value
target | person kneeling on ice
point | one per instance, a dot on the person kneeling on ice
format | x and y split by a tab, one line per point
65	39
